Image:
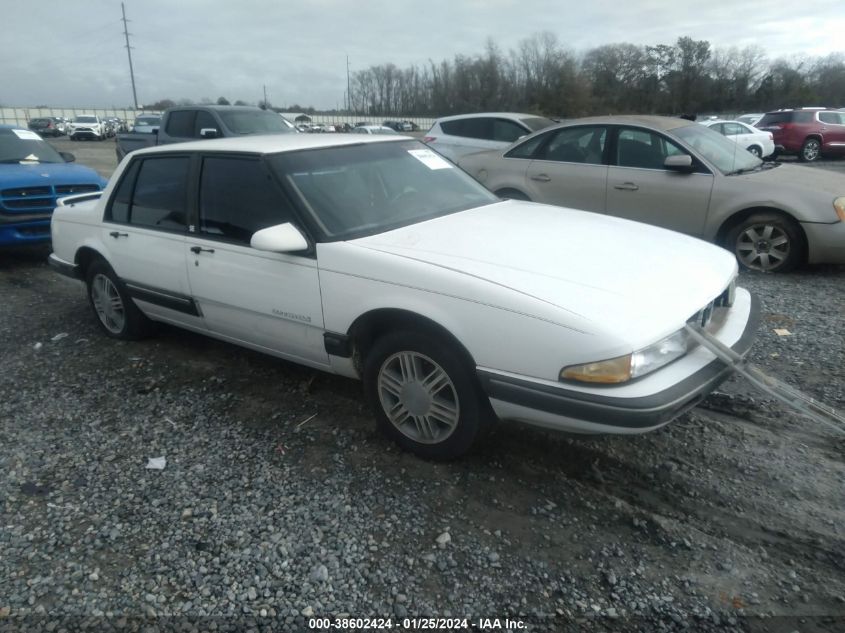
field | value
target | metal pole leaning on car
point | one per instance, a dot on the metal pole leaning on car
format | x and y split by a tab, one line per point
804	404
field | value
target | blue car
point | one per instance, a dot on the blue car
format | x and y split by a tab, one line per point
32	176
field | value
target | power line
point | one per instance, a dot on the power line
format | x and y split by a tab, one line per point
129	53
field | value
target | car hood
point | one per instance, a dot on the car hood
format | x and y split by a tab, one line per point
797	176
581	269
41	174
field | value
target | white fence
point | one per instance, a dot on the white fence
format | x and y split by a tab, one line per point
22	116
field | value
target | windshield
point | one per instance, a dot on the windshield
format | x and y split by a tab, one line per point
369	188
85	119
254	122
21	146
147	121
727	156
537	123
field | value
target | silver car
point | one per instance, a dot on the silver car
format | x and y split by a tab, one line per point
679	175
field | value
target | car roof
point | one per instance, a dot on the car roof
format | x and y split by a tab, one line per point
656	122
271	143
222	108
504	115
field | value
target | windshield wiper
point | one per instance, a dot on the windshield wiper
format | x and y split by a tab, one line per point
12	161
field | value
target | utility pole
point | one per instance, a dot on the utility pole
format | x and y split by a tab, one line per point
348	91
265	95
129	52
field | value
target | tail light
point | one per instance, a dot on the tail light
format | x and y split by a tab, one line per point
429	139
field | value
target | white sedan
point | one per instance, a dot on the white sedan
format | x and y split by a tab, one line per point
375	258
758	142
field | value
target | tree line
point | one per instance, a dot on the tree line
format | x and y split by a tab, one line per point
544	77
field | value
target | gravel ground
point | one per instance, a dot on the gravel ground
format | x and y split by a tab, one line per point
279	500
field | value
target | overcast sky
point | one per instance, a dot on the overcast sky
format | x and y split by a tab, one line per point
61	53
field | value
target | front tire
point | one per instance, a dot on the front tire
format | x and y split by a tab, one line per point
116	313
425	395
767	242
811	150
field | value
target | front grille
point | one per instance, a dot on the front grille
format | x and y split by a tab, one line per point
26	191
29	199
66	190
27	203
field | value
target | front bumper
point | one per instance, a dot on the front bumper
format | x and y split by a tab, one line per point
64	268
825	242
27	232
635	407
86	133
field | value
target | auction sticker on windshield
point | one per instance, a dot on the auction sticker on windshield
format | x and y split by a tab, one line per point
27	135
430	159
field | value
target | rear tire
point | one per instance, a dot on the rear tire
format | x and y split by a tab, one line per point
756	151
424	394
116	313
767	242
811	150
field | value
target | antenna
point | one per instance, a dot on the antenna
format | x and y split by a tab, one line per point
129	53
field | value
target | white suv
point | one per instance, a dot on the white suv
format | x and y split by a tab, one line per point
87	126
456	136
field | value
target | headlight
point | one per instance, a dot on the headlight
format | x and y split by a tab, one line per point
839	205
624	368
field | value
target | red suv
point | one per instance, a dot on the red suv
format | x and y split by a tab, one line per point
808	132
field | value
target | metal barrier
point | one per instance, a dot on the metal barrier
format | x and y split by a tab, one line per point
22	116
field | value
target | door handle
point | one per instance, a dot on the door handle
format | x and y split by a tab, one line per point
200	249
626	186
116	235
541	178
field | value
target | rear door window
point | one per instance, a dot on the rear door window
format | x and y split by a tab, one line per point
836	118
476	127
576	145
204	121
507	131
733	129
180	123
160	197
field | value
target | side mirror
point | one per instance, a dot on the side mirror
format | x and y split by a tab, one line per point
208	132
282	238
69	158
679	162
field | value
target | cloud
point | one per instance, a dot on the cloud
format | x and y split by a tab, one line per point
64	55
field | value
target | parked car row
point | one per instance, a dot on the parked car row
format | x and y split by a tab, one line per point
87	126
395	126
49	125
569	314
679	175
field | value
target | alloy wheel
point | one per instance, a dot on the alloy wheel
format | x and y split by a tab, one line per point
763	247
